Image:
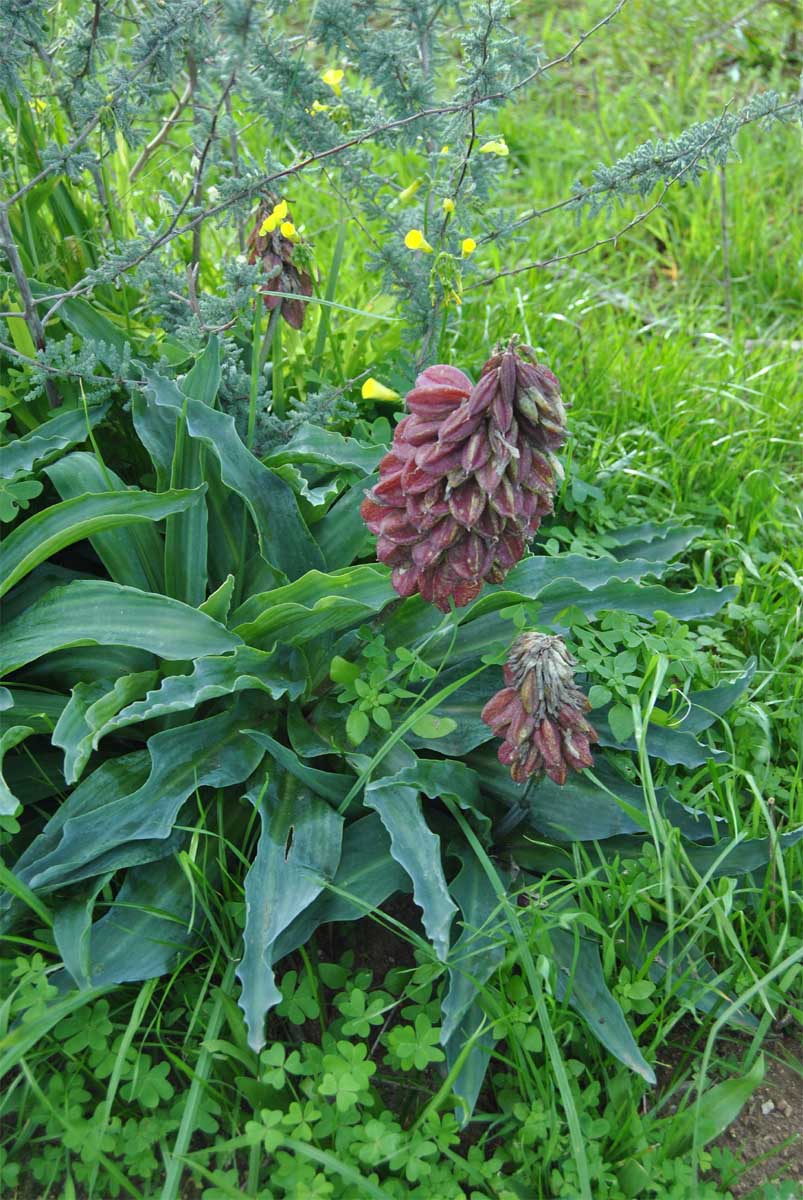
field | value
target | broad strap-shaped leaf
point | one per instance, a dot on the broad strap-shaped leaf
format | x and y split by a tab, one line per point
90	708
284	539
580	978
90	612
693	977
735	856
481	946
314	445
10	738
51	529
186	534
418	850
329	785
366	876
673	745
72	928
313	500
527	581
298	853
119	776
652	541
711	703
442	777
314	605
209	753
132	554
644	600
92	714
342	534
48	439
145	933
31	706
590	806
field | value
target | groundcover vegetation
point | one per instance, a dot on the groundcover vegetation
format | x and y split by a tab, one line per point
401	578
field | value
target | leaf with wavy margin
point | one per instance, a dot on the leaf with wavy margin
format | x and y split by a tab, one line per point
580	978
418	850
284	539
209	753
98	612
316	604
50	530
49	438
298	852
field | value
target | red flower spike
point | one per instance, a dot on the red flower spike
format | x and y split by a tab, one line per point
467	479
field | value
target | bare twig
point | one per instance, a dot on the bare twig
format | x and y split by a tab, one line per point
163	133
90	126
569	55
613	238
35	326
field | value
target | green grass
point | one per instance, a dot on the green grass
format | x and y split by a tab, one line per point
686	406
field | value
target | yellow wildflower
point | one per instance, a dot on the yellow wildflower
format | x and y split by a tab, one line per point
275	218
448	205
317	107
287	229
468	246
444	149
499	146
38	106
333	79
372	389
410	190
415	240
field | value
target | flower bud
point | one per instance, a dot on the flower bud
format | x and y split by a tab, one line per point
540	712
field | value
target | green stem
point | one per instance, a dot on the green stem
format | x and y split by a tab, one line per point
175	1166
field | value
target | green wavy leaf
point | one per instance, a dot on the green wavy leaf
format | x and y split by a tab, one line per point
298	852
48	531
98	612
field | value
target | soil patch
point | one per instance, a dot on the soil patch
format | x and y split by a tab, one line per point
770	1126
772	1116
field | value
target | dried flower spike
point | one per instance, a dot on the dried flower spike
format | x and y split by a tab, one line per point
273	240
469	477
539	714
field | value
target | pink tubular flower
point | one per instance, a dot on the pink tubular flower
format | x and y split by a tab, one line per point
539	714
469	477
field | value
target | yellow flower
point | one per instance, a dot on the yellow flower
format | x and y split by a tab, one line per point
410	190
333	79
318	107
415	240
468	246
448	205
444	149
372	389
499	146
287	229
38	106
276	217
